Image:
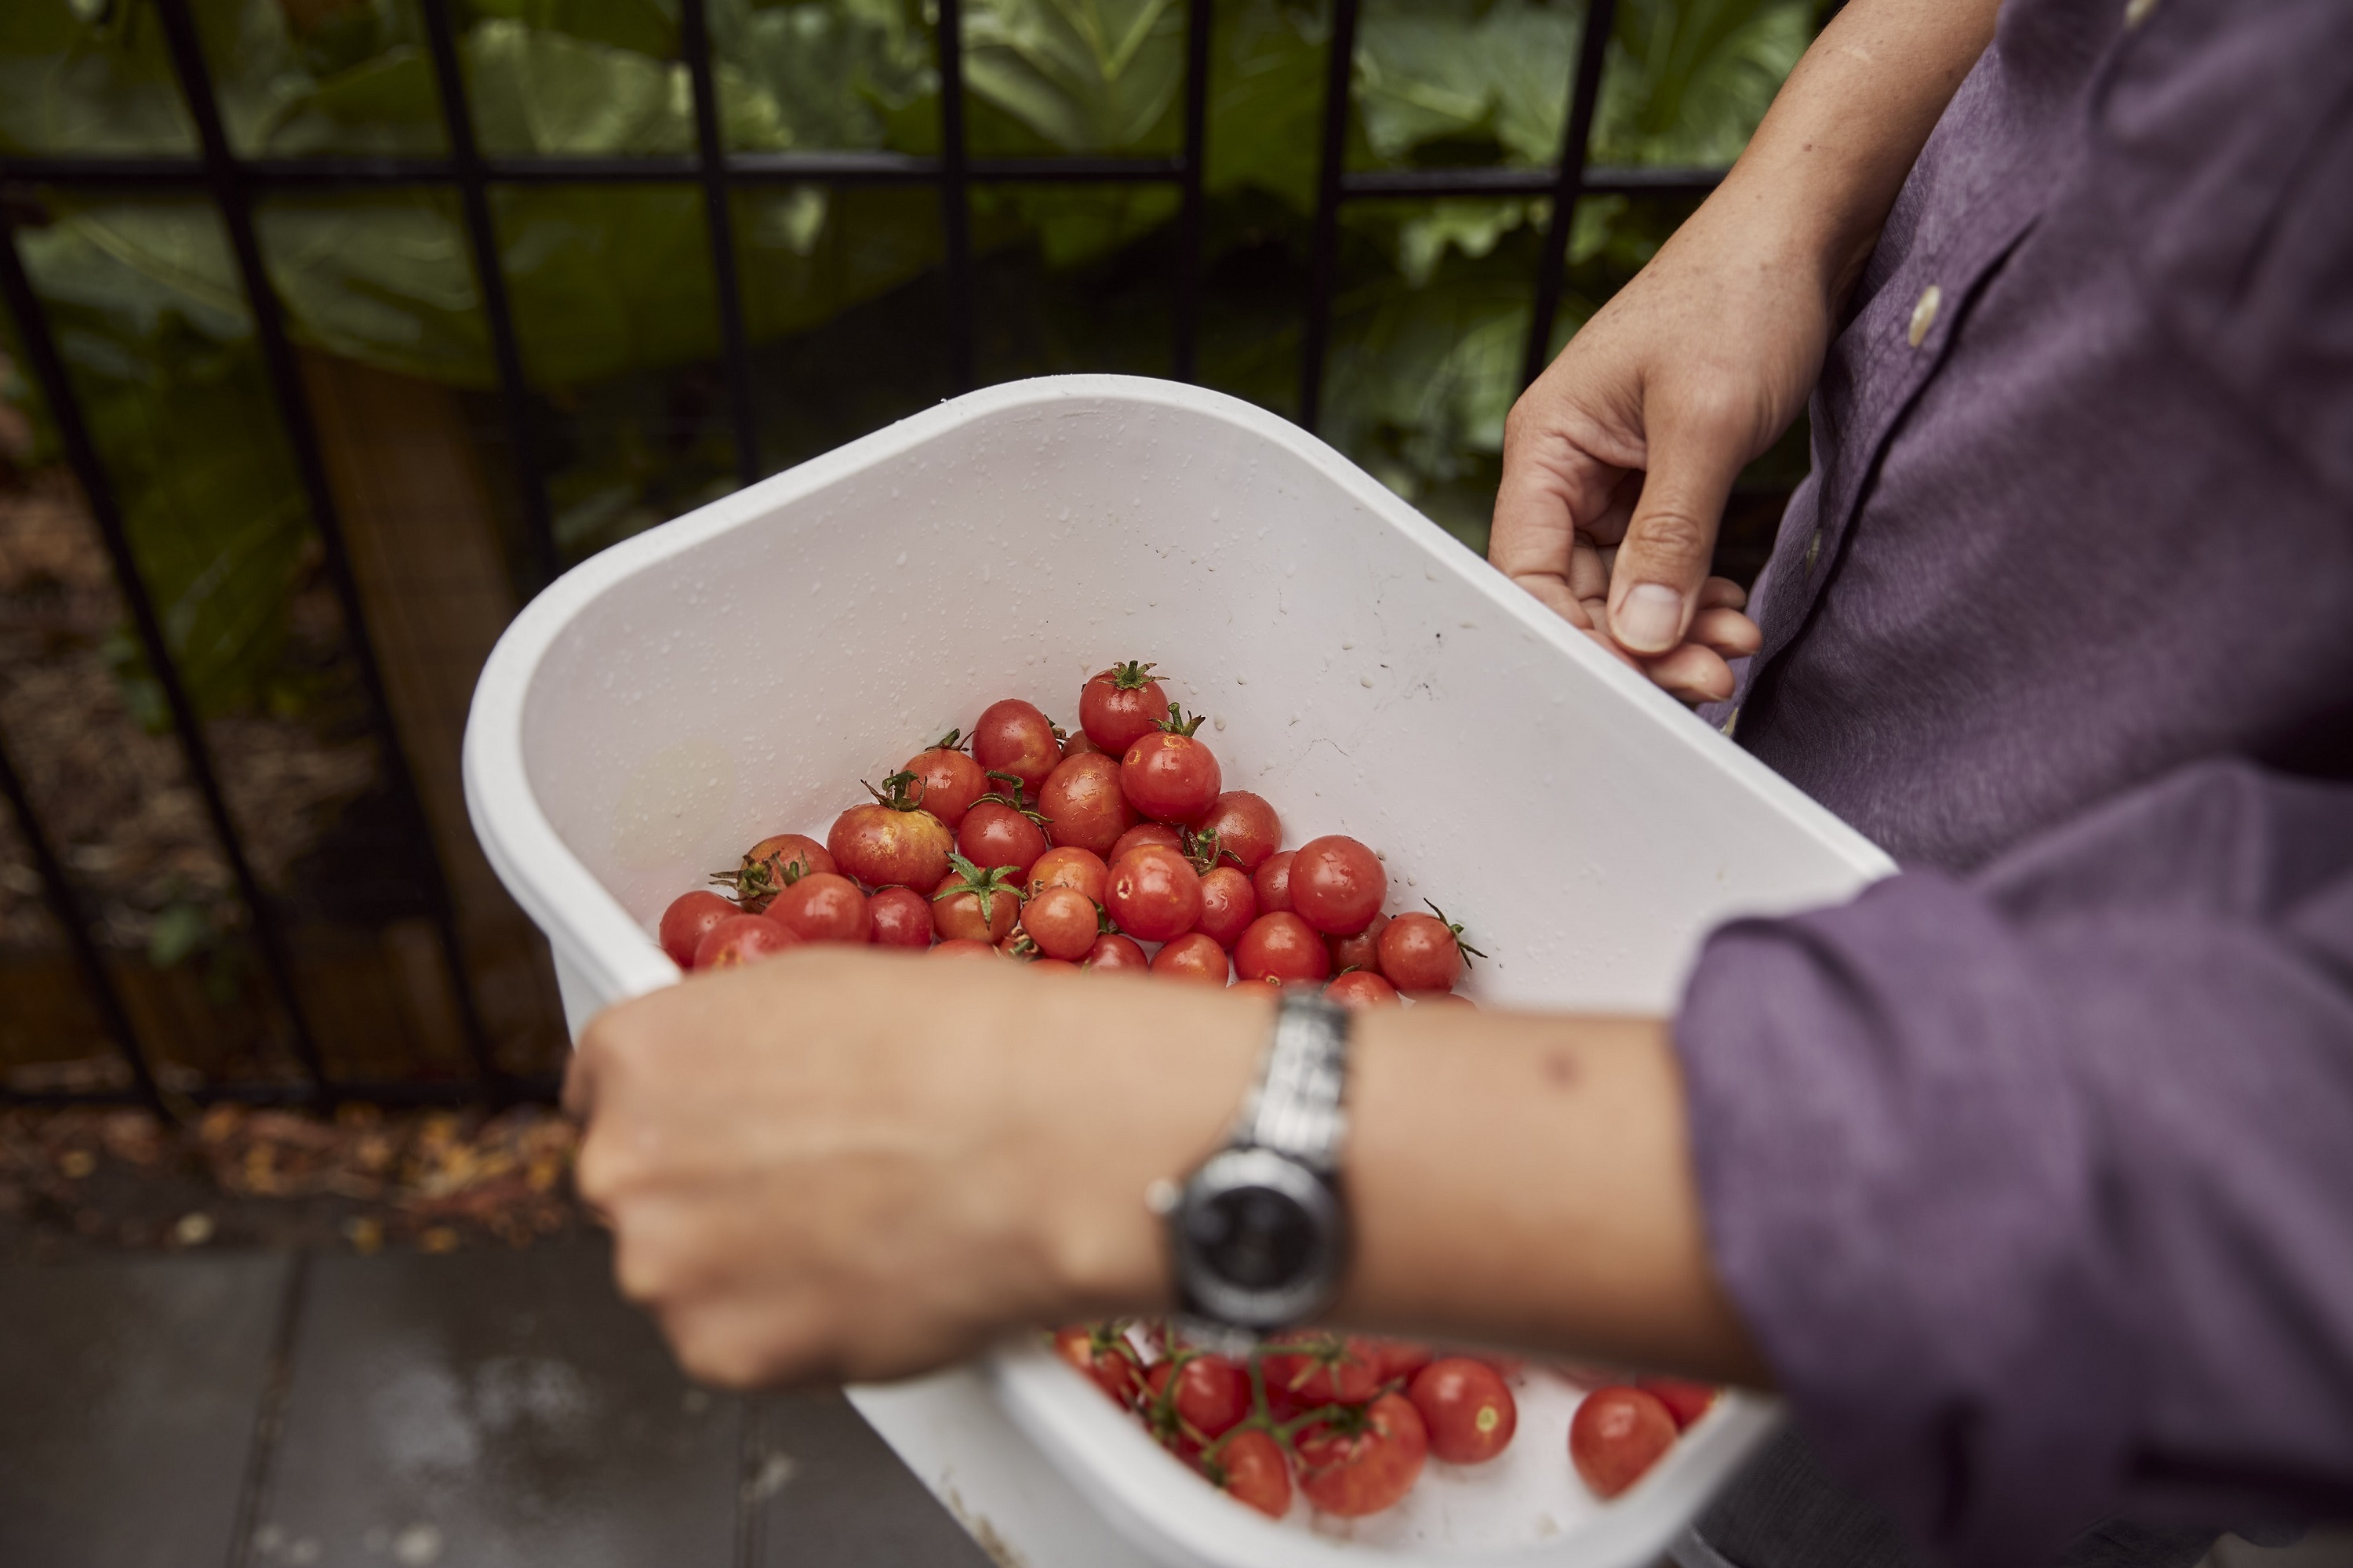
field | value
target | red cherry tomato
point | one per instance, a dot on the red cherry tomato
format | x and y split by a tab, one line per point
742	939
1616	1435
995	833
1208	1394
824	906
1083	804
1070	866
1154	894
689	918
1099	1355
1271	988
1363	1463
1337	885
1470	1413
1080	745
1012	736
1114	952
1685	1401
892	842
1397	1358
1271	882
1361	951
1228	905
1062	921
975	904
1246	826
965	948
1144	833
1325	1369
902	917
1250	1468
773	864
1170	776
1423	952
1055	966
1359	989
949	782
1120	705
1282	947
1193	957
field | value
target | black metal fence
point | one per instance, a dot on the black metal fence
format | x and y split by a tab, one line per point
234	183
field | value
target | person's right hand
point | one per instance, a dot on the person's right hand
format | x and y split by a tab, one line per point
1618	462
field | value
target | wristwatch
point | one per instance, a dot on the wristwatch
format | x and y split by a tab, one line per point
1259	1235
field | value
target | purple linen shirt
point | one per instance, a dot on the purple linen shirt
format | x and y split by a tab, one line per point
2032	1169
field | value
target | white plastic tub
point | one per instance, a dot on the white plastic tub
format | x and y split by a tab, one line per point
724	676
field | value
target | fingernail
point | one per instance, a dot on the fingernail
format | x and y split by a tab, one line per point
1648	618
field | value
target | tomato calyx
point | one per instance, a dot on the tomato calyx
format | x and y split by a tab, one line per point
1021	945
1018	799
1132	676
896	793
1177	724
983	884
1205	849
756	883
1468	952
953	741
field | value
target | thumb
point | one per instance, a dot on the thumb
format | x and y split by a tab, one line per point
1671	538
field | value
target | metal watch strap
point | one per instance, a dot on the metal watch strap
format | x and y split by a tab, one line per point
1295	1107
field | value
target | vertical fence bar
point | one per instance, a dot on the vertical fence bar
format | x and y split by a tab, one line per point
227	186
1200	16
1569	183
735	351
81	455
1339	72
65	908
506	349
955	196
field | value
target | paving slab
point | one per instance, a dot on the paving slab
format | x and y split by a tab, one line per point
130	1392
488	1410
827	1493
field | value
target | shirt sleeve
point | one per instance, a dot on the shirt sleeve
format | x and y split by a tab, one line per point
2036	1188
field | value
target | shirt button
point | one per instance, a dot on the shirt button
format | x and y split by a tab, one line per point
1813	549
1731	722
2136	11
1924	314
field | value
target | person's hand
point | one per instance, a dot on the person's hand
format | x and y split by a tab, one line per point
845	1164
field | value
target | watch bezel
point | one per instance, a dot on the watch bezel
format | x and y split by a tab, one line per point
1210	1293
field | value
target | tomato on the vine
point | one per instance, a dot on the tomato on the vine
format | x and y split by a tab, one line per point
1470	1413
1324	1369
1685	1401
1112	951
1193	957
997	831
902	917
1250	1466
979	903
1170	775
1357	1462
1247	828
1077	744
1282	947
949	781
1362	988
892	842
1337	885
1271	882
1070	866
1228	905
688	919
742	939
1014	736
1210	1394
1397	1358
773	864
1144	833
1062	921
1361	951
1083	804
1424	952
824	906
1099	1353
1616	1435
1119	705
1154	894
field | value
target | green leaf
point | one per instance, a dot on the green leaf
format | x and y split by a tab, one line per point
1096	76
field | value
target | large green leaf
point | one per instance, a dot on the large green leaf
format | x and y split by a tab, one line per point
1097	76
67	87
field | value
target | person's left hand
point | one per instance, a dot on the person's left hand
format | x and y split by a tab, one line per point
856	1165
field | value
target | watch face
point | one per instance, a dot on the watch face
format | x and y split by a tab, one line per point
1258	1239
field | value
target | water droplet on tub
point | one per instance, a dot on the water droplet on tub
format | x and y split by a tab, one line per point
901	560
1344	647
1365	681
1218	724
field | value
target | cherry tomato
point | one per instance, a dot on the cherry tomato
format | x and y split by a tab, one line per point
965	948
1250	1468
1100	1354
1144	833
1324	1369
1055	966
900	918
1080	745
1271	988
1112	951
1423	952
1685	1401
1208	1394
742	939
1470	1414
1012	736
772	865
824	906
1337	885
1170	775
1397	1358
1154	894
1271	882
1228	905
1365	1463
1070	866
1193	957
1616	1435
1246	826
995	833
1062	921
1361	951
1083	804
1120	705
1359	989
689	918
892	842
974	902
949	781
1282	947
1442	999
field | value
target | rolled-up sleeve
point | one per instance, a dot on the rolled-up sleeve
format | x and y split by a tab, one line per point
2036	1188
